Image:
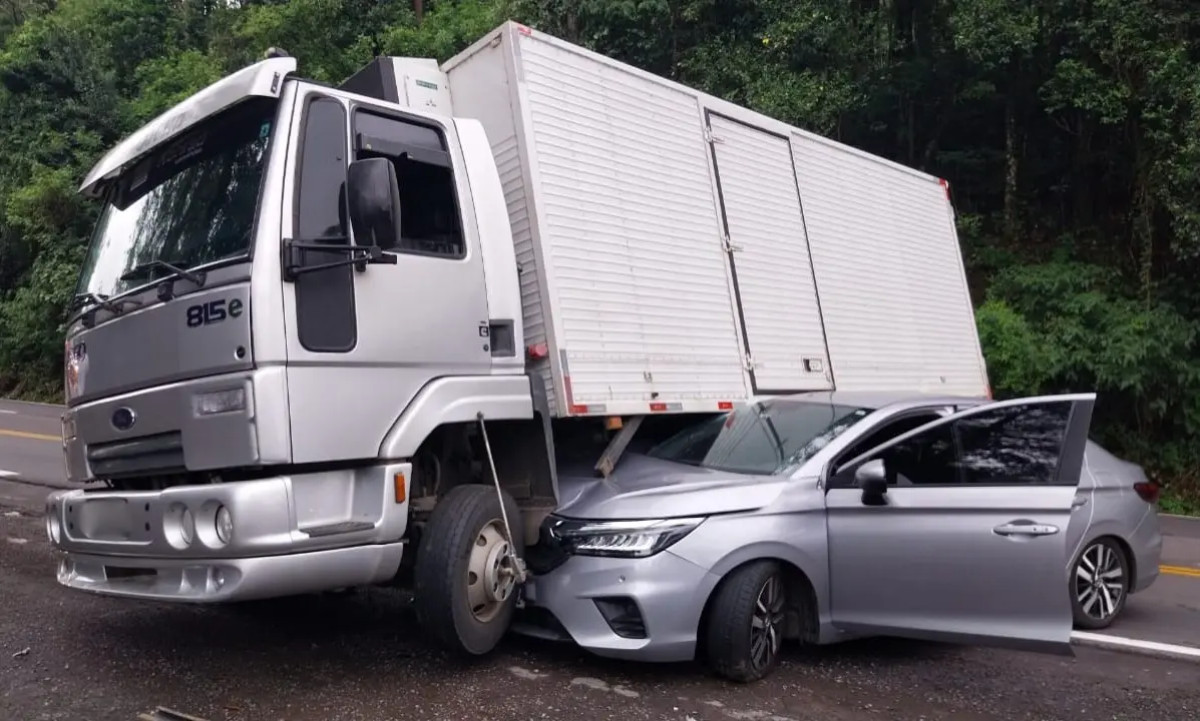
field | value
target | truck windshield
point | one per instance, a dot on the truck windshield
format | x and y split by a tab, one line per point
189	204
760	438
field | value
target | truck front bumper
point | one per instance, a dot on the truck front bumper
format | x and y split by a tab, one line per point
279	536
231	579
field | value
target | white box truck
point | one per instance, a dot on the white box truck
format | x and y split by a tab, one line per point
329	337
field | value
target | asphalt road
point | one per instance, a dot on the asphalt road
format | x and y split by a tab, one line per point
68	655
30	445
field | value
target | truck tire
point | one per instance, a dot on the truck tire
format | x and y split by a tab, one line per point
465	579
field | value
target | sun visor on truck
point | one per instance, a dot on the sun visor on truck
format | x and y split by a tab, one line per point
264	79
415	83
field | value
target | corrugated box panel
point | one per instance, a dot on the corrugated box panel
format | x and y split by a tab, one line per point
775	288
893	294
630	234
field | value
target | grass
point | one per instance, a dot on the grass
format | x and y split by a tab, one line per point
1180	502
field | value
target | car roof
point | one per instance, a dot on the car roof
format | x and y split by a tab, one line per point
876	399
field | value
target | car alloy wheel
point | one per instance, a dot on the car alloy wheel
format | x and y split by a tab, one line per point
1099	584
766	624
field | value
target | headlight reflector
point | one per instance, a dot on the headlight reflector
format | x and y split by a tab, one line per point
621	539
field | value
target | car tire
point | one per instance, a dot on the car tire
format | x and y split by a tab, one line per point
456	597
1093	605
743	637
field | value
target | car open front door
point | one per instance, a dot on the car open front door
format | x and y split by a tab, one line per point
956	531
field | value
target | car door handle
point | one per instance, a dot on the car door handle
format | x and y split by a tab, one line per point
1079	502
1025	528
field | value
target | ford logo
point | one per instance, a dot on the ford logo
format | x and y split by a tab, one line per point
123	419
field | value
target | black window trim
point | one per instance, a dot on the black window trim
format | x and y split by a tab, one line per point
960	413
298	166
307	100
424	155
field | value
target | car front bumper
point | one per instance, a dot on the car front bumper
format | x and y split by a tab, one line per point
668	593
289	534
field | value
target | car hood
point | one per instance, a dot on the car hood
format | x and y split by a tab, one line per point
644	487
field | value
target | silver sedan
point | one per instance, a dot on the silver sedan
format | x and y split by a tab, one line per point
826	517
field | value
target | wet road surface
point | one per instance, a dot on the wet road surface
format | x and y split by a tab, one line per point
69	655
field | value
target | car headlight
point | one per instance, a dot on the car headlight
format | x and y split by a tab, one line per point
623	539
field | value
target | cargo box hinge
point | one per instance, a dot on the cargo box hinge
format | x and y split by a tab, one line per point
728	246
710	138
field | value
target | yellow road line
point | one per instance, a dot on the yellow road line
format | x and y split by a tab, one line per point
1180	571
29	436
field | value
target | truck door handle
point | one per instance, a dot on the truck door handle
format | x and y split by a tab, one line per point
1025	528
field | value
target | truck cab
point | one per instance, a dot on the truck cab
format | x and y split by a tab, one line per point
299	309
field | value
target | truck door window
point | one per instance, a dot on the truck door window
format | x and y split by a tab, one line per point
325	313
429	212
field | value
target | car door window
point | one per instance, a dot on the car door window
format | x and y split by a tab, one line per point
1017	444
1014	444
887	430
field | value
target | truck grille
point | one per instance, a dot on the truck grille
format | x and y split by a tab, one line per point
141	456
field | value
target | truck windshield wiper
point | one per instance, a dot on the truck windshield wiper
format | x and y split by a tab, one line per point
175	271
97	299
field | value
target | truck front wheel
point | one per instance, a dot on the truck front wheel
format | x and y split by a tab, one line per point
466	572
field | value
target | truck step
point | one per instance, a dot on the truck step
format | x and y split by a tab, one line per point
334	529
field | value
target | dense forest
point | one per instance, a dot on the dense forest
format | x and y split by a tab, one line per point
1069	131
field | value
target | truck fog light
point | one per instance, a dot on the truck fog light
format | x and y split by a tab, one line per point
224	524
209	404
187	527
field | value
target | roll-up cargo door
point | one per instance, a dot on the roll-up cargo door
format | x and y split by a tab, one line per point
769	258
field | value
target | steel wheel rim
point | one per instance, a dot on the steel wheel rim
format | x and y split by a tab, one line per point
491	574
1099	582
766	624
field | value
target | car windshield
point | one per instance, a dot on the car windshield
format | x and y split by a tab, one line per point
189	204
762	438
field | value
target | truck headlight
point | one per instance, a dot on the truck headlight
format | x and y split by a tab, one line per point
622	539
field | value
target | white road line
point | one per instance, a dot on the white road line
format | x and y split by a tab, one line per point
6	412
1133	645
8	474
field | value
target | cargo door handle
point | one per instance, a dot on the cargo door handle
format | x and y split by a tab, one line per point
1025	528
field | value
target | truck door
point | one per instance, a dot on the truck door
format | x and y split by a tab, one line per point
769	258
968	543
362	342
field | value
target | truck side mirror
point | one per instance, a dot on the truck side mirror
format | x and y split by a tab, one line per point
373	194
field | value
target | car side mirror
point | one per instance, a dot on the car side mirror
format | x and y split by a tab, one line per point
373	194
872	479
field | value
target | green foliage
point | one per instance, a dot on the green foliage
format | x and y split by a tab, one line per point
1070	133
1067	326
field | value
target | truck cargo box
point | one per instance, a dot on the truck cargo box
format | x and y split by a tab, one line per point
679	253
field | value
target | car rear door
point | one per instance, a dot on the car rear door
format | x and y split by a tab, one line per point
969	541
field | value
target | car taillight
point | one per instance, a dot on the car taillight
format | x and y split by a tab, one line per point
1148	490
